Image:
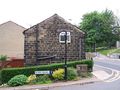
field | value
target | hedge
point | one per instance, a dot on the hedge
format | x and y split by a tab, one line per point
8	73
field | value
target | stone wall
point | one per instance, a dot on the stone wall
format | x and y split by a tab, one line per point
48	41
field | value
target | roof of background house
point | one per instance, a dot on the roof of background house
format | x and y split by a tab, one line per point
11	22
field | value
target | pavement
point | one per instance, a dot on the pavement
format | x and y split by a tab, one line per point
104	73
53	85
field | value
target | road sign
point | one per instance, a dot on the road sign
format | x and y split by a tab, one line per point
42	72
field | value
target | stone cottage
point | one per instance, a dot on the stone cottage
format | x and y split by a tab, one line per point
45	42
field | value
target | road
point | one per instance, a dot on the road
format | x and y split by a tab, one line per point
108	71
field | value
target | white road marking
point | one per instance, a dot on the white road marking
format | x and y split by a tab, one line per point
102	75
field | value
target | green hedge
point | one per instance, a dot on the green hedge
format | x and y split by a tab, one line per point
8	73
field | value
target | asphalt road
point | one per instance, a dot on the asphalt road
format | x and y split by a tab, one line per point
108	63
96	86
115	85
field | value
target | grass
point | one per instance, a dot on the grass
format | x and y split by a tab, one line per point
117	51
109	51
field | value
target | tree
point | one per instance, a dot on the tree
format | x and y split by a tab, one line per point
99	28
109	22
116	28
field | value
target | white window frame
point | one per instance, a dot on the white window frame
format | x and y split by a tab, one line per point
68	37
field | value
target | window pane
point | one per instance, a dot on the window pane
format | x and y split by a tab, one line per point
62	38
68	38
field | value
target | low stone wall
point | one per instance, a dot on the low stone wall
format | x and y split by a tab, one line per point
89	55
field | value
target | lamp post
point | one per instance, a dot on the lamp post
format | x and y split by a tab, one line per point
65	66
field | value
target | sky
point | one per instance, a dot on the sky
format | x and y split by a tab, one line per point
30	12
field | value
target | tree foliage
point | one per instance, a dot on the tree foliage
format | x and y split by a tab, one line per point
98	27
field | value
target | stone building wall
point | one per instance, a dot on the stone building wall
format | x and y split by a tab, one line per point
48	41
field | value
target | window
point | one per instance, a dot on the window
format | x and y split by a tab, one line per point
62	37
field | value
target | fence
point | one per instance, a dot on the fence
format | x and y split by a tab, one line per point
12	63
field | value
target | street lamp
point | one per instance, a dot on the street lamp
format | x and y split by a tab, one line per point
65	38
65	65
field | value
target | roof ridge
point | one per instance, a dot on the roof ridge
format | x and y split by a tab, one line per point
56	16
12	22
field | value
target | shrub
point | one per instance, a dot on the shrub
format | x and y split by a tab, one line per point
17	80
71	74
8	73
31	78
58	74
3	57
44	79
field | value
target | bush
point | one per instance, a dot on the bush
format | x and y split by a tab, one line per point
3	57
8	73
58	74
17	80
71	74
44	79
31	78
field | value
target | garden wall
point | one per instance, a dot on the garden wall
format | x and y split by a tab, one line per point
12	63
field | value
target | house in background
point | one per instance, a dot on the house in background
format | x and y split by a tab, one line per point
11	40
46	39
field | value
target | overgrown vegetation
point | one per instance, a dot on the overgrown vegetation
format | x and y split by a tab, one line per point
18	76
39	79
17	80
72	74
31	79
8	73
43	79
3	57
58	74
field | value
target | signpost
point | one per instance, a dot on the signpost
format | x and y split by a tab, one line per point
42	72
